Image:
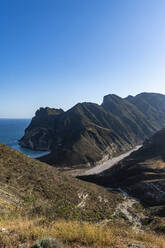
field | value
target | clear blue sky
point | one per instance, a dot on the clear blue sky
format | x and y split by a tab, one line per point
59	52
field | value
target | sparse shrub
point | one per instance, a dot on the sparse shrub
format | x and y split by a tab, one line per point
47	243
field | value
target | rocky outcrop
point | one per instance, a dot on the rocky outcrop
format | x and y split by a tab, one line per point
90	133
38	136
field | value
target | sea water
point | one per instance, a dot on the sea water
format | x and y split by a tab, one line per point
11	130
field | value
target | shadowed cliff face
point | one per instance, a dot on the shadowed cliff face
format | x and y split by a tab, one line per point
88	132
142	174
39	134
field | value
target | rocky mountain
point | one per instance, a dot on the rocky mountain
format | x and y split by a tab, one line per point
141	175
90	133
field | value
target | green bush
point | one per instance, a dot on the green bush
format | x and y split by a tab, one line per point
47	243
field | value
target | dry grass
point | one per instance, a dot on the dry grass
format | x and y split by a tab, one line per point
74	234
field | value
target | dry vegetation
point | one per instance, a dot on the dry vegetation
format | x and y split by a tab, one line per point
74	234
73	212
40	189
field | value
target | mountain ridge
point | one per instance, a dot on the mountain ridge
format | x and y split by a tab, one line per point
88	133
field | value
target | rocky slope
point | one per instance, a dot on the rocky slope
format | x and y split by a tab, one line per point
30	187
89	133
141	175
37	201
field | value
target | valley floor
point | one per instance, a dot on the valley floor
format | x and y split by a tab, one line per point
109	163
102	167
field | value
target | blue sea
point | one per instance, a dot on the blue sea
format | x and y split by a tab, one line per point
11	130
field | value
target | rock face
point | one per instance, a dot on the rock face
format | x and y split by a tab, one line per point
89	133
38	136
141	175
